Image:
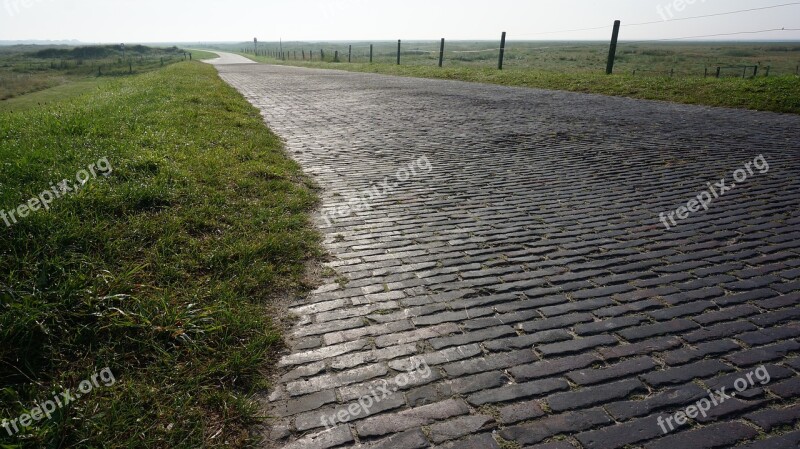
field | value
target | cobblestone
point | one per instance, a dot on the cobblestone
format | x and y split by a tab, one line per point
532	253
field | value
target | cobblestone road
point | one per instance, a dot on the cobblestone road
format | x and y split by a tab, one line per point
526	264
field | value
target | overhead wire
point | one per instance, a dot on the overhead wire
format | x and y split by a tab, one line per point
679	19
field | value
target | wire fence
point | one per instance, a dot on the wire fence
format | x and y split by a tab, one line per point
639	58
656	57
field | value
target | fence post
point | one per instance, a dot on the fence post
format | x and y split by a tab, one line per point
719	69
398	51
322	55
766	75
612	51
755	71
441	53
502	51
705	73
370	53
336	56
304	54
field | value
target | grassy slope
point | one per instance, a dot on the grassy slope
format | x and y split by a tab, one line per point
778	94
58	93
166	271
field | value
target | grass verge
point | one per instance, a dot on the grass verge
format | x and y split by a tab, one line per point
777	94
169	271
201	55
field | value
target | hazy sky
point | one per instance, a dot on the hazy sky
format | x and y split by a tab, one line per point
239	20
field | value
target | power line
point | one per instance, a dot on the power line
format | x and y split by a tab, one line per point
605	27
715	15
713	35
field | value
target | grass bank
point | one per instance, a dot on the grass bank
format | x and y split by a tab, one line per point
777	94
169	271
56	94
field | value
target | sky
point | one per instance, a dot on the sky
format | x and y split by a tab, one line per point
144	21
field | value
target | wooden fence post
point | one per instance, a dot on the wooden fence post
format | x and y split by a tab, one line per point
719	69
370	53
350	54
441	53
398	52
502	51
612	51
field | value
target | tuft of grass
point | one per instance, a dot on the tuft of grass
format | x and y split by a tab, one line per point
170	271
776	93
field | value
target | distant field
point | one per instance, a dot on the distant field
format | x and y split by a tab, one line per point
661	71
30	68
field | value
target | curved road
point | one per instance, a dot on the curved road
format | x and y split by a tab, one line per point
503	274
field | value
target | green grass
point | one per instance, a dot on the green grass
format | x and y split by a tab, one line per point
171	271
51	95
777	93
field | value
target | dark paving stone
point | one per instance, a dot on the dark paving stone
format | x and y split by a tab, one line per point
497	232
723	435
543	428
